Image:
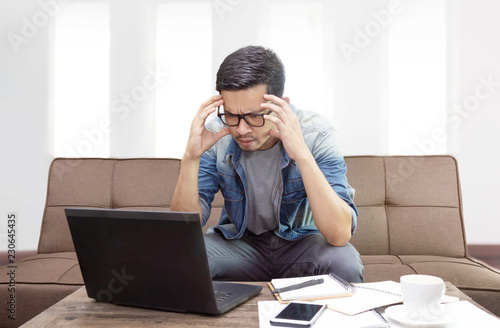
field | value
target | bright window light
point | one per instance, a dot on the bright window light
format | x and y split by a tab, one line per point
81	100
296	34
184	55
417	79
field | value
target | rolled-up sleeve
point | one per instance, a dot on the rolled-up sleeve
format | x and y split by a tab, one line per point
208	184
331	162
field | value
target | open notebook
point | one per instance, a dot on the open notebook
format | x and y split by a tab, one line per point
367	296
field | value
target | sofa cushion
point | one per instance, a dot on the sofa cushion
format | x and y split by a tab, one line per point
462	272
367	175
429	181
72	183
80	182
55	268
372	232
425	230
144	182
55	236
384	267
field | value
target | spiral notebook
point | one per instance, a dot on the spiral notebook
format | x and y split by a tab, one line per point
367	296
332	287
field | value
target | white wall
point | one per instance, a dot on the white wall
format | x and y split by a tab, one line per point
26	125
359	99
476	127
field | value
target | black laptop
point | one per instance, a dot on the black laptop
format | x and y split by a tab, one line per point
150	259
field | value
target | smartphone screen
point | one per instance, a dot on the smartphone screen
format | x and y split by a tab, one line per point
298	314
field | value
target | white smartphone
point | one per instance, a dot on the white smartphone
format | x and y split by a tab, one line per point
298	314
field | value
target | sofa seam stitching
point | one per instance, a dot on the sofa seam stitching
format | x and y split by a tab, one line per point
111	189
386	207
65	272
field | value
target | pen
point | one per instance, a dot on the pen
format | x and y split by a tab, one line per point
298	286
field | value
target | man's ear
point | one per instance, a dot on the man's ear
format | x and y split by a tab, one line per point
287	99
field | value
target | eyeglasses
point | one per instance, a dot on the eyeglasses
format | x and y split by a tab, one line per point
252	119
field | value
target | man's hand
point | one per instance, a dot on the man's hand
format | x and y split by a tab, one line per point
186	197
200	139
288	127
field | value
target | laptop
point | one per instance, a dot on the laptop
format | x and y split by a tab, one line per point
150	259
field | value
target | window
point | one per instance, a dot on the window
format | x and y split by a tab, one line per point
417	79
397	84
81	78
296	34
184	56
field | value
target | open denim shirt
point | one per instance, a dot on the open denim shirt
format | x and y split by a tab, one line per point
220	169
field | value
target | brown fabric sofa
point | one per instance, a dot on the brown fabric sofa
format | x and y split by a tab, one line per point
410	221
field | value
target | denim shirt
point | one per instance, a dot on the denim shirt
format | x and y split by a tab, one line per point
220	169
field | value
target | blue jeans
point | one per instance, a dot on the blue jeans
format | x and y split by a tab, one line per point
267	256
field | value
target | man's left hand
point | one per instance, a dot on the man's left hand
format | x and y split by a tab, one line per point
287	127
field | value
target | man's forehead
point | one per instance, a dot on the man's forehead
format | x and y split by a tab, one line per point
242	111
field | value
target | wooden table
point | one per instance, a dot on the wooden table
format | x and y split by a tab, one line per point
77	310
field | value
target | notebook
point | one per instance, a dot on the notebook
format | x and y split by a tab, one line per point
331	287
150	259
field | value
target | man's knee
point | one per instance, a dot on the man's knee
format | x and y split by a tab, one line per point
234	260
343	261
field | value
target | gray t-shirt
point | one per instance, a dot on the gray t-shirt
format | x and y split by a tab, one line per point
262	168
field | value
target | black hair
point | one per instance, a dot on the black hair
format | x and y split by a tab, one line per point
251	66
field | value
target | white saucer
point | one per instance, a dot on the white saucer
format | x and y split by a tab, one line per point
398	314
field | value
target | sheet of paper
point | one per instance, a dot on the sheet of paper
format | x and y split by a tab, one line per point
367	296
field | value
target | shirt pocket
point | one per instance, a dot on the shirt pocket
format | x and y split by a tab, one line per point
231	188
293	191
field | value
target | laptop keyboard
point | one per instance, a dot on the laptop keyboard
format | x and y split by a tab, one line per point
222	296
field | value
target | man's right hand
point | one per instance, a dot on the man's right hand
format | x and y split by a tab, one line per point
186	194
200	139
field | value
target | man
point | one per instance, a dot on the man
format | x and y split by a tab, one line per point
288	208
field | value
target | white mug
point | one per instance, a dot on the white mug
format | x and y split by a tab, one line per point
422	296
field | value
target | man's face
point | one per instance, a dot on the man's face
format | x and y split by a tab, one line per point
247	101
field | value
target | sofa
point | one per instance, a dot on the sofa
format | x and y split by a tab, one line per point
410	221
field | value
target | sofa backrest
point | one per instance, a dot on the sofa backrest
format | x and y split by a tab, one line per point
136	183
407	205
